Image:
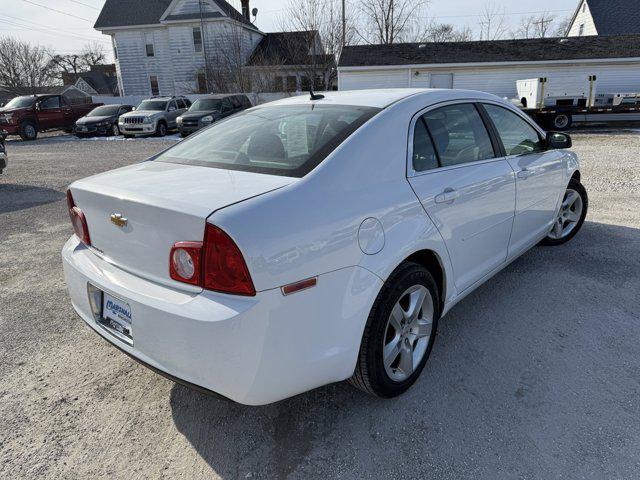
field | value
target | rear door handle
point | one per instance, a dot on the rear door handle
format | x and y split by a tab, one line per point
448	196
524	174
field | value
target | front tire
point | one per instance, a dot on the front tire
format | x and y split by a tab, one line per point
399	334
571	216
115	130
161	129
28	131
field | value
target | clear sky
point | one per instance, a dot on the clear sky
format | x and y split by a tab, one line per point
67	32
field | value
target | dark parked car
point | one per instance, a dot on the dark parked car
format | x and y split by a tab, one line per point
3	151
26	116
207	110
101	121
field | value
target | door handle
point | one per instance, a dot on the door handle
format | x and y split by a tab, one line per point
524	174
448	196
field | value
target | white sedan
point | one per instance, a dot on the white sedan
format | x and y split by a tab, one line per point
314	240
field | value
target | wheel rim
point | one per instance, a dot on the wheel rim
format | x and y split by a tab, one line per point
561	121
569	215
115	130
163	129
29	131
407	333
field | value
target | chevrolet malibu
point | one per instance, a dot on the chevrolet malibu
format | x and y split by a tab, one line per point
315	239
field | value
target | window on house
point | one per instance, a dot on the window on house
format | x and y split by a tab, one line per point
197	39
278	85
292	84
148	38
202	83
584	7
155	87
581	31
115	47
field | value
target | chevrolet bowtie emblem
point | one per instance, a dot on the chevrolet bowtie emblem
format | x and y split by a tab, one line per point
118	220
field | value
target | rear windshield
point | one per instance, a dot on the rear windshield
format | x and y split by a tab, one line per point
21	102
106	111
288	140
158	105
205	105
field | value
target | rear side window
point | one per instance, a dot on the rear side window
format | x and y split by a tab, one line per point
288	140
459	134
518	137
424	153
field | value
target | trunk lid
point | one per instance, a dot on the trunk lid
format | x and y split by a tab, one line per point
163	203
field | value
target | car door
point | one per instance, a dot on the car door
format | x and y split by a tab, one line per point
466	188
50	114
539	174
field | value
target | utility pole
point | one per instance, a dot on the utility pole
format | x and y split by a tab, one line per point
344	23
204	48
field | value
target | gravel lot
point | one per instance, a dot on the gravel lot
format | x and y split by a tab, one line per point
536	375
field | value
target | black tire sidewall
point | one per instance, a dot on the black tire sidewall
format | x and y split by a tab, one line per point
23	134
162	129
406	276
578	187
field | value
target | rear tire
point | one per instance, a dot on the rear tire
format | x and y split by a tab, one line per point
395	346
561	121
573	212
28	131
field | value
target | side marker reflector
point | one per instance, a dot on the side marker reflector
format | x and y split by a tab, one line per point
299	286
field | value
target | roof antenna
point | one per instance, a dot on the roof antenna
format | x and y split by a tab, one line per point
315	96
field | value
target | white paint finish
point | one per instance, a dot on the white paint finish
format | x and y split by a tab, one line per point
583	21
371	236
500	80
268	347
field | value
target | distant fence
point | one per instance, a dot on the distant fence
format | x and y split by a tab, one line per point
256	98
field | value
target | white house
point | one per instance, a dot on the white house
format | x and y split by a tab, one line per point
171	47
605	17
493	66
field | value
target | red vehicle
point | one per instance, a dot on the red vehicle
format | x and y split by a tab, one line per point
26	116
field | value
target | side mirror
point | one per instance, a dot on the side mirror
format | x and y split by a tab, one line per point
38	107
558	141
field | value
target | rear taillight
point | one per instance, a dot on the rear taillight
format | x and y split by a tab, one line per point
217	264
78	220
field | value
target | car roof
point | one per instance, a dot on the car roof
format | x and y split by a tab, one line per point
384	98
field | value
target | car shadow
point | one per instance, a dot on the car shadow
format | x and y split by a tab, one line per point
14	197
511	390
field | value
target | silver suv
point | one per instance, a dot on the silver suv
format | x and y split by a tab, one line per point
154	116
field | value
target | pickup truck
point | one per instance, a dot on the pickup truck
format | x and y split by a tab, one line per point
26	116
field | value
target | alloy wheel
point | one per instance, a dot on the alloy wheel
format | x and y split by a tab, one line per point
407	333
569	215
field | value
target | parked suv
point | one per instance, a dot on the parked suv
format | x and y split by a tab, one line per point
3	151
26	116
155	116
207	110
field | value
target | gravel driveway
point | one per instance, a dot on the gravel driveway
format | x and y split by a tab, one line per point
536	375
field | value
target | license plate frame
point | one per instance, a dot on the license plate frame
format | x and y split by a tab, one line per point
116	317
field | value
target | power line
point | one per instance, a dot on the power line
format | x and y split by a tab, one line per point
57	11
27	24
85	5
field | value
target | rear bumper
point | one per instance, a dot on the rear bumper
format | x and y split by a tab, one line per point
253	351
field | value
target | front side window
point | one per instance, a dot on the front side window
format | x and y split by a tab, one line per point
50	103
172	106
459	134
279	140
197	39
155	87
518	137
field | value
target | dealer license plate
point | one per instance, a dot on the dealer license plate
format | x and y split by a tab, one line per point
117	317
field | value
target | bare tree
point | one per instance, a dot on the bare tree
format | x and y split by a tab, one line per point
392	21
24	67
539	26
445	32
492	23
562	27
92	54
